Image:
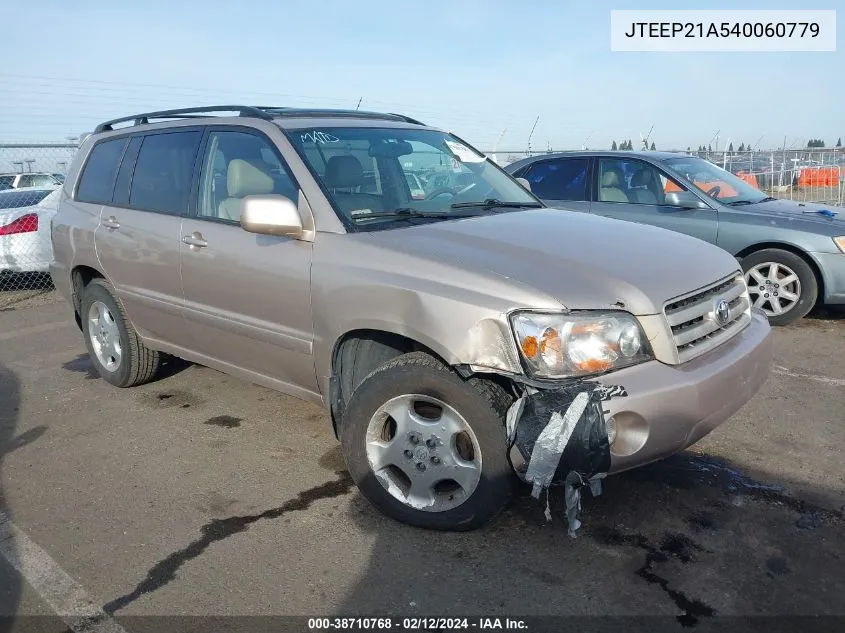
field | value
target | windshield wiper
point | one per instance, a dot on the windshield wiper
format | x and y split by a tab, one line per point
739	202
407	213
494	203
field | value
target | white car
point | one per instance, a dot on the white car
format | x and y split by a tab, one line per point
25	214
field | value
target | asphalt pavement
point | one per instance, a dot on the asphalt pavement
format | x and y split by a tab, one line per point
202	495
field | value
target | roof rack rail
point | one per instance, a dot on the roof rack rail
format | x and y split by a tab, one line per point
261	112
330	112
184	113
408	119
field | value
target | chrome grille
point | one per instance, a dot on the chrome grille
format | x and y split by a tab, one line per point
694	322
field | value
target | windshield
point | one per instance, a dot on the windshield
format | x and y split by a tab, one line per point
715	181
377	177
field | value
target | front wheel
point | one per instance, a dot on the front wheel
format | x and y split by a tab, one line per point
427	447
780	283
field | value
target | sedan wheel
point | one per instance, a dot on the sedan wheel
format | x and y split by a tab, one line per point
774	288
780	283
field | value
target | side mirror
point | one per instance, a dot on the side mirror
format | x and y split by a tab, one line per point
684	200
271	215
524	183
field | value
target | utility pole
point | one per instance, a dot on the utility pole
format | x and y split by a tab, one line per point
715	138
532	133
29	162
20	163
496	146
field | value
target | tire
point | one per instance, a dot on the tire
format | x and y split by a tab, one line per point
481	406
135	363
806	286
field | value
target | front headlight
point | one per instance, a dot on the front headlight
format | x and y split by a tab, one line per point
579	344
840	242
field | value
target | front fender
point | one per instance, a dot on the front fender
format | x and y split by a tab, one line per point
460	315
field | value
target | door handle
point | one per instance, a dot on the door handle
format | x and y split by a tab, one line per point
195	240
111	223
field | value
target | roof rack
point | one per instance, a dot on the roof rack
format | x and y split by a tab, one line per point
261	112
184	113
329	112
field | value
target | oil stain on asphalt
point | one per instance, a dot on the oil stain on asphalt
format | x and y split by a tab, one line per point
224	421
219	529
171	400
673	545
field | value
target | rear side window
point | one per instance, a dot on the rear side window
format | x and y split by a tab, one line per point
560	179
97	181
15	199
162	177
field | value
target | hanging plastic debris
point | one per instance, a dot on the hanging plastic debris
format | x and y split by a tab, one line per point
562	435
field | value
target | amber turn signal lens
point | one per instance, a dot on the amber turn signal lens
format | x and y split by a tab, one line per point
593	365
529	346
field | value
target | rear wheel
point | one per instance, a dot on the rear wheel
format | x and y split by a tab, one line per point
780	283
113	345
426	447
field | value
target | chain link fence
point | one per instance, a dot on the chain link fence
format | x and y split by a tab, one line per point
810	175
30	178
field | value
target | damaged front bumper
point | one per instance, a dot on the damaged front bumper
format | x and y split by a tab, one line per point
670	407
575	433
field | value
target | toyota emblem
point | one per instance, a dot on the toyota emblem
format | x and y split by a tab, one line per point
722	312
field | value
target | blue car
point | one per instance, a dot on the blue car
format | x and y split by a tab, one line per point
792	253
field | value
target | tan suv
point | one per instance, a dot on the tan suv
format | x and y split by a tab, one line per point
449	336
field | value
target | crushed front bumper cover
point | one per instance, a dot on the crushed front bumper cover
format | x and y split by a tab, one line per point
560	436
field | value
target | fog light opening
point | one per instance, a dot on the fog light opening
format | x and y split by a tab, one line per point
611	430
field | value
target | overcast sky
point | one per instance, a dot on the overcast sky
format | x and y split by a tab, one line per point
480	68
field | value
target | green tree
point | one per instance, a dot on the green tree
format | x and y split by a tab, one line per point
741	147
613	147
652	146
839	142
730	147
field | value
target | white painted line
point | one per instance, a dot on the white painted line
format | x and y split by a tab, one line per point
66	597
785	371
35	329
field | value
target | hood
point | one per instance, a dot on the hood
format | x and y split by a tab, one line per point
583	261
806	211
